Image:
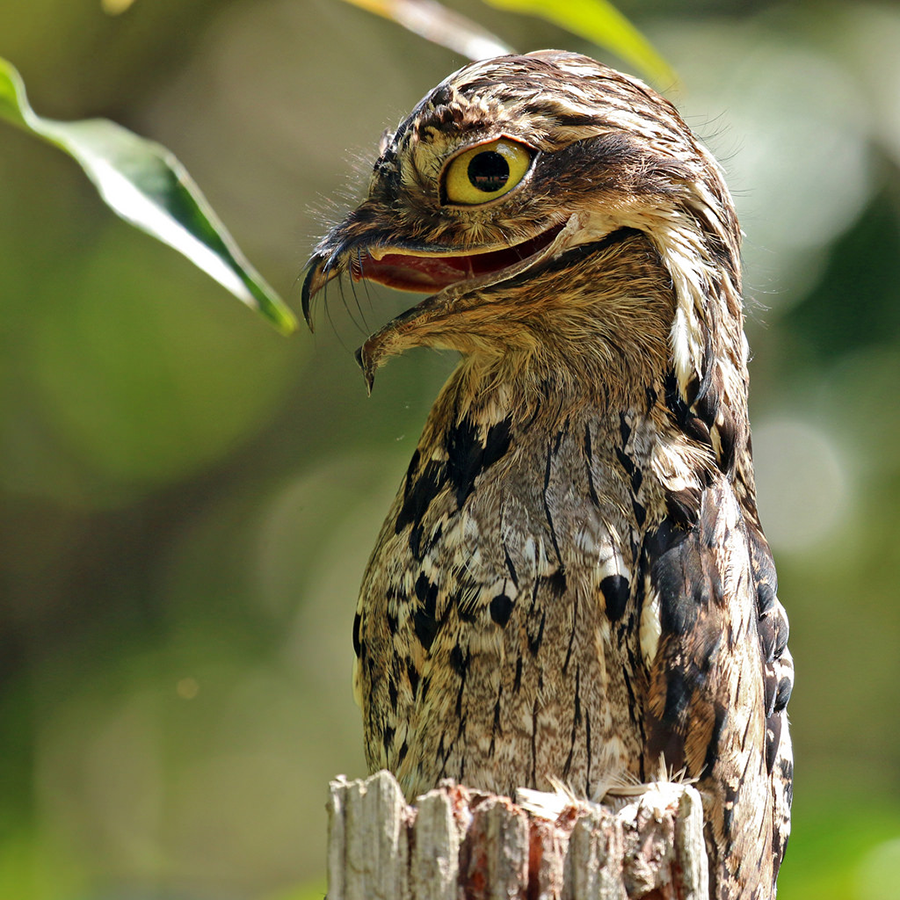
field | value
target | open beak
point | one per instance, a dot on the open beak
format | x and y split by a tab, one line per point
424	270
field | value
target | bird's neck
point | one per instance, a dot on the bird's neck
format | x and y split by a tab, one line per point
594	325
487	392
597	338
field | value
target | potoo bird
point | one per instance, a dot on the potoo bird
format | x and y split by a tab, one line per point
572	584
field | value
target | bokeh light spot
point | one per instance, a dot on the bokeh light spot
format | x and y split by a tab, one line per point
801	481
187	688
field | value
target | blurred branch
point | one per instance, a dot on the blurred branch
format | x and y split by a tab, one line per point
596	20
434	22
144	184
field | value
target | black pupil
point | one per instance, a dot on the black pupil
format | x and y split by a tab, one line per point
488	171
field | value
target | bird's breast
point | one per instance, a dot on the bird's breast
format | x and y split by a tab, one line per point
497	629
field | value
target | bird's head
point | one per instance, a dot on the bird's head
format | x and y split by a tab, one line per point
551	207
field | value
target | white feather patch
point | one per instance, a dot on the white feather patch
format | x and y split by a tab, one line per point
651	626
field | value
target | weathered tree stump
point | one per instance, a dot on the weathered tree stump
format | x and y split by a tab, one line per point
459	844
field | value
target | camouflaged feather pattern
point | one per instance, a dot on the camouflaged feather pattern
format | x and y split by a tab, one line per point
573	584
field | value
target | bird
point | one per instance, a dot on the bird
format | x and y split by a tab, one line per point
572	585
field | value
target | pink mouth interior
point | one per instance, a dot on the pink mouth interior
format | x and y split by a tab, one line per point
428	273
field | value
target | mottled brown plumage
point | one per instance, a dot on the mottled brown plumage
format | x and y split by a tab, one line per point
572	584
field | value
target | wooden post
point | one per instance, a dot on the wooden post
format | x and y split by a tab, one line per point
459	844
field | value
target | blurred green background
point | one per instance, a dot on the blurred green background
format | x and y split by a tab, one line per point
188	499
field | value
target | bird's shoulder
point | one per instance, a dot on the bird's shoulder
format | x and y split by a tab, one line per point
713	635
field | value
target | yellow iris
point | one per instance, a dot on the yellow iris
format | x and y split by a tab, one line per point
486	171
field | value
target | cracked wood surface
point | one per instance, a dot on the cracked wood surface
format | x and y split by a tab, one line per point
455	843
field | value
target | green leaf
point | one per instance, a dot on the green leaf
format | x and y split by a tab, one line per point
599	21
145	184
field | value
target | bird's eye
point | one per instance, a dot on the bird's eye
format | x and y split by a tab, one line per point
485	172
